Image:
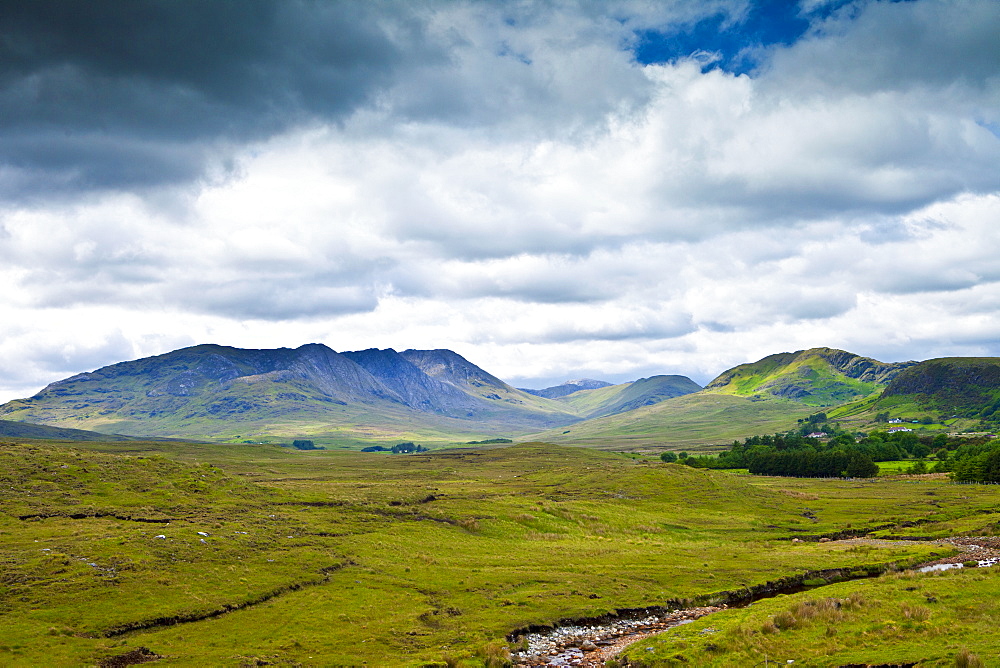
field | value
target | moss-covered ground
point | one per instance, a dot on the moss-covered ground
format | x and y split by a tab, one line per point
239	554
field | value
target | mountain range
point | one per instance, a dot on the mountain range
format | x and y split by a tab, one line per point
355	398
219	392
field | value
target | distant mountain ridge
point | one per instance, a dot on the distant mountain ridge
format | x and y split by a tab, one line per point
437	396
569	387
208	390
614	399
213	391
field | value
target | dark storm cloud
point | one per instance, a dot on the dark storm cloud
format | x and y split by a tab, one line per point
103	92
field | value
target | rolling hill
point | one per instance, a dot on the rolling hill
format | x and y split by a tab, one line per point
689	422
11	429
961	392
762	397
815	377
613	399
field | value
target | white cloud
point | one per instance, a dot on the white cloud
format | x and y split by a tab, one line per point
532	198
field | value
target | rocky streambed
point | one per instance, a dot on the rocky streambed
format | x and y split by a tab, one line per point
589	643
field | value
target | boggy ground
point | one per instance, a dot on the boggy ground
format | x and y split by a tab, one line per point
239	555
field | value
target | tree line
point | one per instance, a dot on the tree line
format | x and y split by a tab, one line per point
843	454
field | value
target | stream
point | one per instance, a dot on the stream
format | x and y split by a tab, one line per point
592	645
589	643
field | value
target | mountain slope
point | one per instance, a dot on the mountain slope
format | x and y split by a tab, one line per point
628	396
680	423
569	387
815	377
963	392
452	369
756	398
11	429
222	392
414	387
965	384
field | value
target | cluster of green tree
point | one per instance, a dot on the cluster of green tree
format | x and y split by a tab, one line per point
817	422
793	454
398	449
305	444
489	441
812	464
989	413
795	457
973	461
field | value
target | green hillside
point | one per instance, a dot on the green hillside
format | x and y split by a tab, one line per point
814	377
957	393
11	429
762	397
687	422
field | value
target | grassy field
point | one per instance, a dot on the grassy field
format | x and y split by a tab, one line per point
238	554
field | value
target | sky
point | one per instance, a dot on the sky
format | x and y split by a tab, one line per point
603	188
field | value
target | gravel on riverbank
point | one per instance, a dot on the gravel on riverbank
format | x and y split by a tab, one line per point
589	646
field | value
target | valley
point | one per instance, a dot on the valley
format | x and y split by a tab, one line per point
199	537
230	554
352	400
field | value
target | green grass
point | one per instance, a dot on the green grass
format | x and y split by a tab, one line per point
898	467
687	423
323	558
896	619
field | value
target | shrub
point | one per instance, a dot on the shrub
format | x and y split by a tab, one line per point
854	602
917	613
966	659
785	621
495	655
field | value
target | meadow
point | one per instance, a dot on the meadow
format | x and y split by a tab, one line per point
229	554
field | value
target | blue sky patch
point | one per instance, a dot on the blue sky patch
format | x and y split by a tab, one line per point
736	44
